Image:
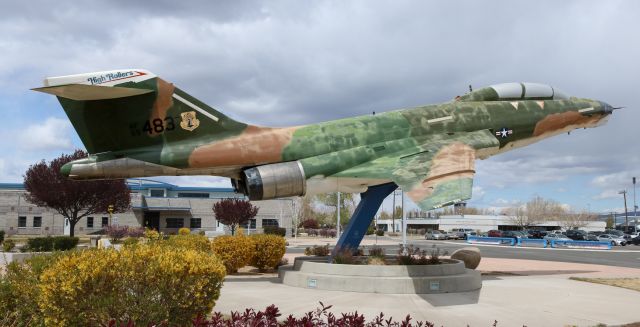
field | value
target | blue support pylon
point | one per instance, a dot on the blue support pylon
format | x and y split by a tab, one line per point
370	201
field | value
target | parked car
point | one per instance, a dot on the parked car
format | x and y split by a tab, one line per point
494	233
514	234
591	237
436	235
596	233
613	239
462	233
533	233
555	236
634	241
577	234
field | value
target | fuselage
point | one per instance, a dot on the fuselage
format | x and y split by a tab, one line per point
340	149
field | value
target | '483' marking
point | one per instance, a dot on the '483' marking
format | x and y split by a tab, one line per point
153	126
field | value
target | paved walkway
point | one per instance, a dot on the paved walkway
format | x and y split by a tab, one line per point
516	292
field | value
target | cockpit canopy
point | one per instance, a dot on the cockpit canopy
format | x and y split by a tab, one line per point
515	91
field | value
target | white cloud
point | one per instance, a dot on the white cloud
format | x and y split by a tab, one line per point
612	184
52	134
282	63
478	193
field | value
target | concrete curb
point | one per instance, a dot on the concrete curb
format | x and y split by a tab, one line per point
315	273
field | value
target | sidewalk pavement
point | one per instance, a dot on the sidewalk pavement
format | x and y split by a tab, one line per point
515	293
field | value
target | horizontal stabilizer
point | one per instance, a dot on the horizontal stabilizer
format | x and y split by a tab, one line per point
80	92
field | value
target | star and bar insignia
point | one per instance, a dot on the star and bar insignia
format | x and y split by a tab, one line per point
504	132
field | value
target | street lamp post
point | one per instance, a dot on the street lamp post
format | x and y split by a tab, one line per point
338	222
404	223
626	214
635	207
393	213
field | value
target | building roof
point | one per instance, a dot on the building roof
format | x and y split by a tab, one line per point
138	184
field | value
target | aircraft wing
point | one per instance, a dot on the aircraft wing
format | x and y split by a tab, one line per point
440	173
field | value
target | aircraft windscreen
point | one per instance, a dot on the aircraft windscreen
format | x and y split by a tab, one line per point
528	91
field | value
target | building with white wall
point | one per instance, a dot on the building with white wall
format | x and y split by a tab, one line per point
480	223
162	206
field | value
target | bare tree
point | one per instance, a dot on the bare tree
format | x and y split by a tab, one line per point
577	220
73	199
296	213
518	216
234	212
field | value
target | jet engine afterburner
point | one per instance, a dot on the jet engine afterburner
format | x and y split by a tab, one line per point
272	181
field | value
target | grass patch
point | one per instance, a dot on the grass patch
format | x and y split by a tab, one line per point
629	283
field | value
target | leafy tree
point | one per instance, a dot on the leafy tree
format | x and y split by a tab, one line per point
384	215
234	212
610	222
46	186
347	205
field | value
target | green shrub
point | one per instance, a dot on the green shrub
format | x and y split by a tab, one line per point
40	244
234	251
8	245
376	251
317	250
2	236
64	243
184	231
275	230
130	241
268	251
411	255
380	232
146	284
370	230
345	257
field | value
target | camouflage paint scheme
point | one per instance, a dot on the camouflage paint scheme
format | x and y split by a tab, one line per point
429	151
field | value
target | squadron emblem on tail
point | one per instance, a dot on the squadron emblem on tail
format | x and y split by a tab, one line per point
189	121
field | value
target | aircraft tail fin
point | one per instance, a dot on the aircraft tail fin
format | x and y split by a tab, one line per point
130	110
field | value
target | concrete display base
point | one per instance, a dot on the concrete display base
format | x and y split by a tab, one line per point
316	273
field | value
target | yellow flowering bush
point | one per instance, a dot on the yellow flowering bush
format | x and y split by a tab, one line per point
19	291
143	283
184	231
269	250
194	242
235	251
151	234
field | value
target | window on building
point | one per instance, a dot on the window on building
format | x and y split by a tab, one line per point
22	221
270	222
175	222
156	193
89	222
105	221
37	221
193	195
250	225
195	223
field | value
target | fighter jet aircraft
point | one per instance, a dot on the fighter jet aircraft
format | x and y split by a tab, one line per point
135	124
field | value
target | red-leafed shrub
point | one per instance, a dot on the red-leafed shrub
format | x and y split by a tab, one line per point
319	317
310	223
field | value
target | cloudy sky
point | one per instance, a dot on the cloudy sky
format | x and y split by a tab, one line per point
290	62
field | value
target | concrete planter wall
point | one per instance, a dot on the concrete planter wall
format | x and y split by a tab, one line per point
451	276
9	257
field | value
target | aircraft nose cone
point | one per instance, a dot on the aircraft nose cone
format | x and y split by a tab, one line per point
607	108
65	170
